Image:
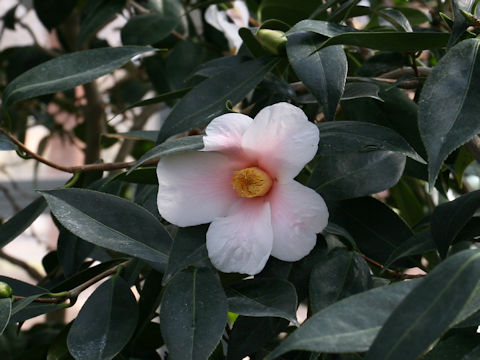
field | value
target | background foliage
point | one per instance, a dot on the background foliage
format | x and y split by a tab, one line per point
393	87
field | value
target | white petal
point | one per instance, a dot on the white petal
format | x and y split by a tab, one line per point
239	14
282	139
224	133
218	19
298	214
211	17
194	187
241	242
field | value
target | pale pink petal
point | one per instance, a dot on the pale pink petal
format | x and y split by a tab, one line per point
241	242
298	214
282	139
194	187
239	14
218	19
224	133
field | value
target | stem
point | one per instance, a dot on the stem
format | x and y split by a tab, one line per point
73	169
473	147
94	116
394	273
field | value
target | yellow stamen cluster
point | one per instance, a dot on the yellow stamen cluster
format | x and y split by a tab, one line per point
251	182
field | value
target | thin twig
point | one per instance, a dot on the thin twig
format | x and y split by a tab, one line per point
473	147
138	7
394	273
73	169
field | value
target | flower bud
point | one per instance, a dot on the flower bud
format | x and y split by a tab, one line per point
5	290
272	40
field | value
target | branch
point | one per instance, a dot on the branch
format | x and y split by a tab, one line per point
73	169
473	147
56	298
394	273
20	263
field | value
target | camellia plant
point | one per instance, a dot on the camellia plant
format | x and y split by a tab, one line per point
311	193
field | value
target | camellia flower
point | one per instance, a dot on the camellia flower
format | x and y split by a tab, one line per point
242	182
229	21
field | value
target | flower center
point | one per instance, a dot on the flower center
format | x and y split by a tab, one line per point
251	182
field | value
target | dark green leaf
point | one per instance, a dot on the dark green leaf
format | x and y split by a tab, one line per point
170	147
22	288
208	99
456	347
355	90
148	29
149	135
349	325
171	95
388	40
418	244
263	297
95	15
324	73
340	274
188	249
286	10
68	71
250	334
376	228
338	137
5	312
430	309
353	175
396	18
449	218
52	18
106	220
460	24
193	314
448	104
105	323
21	221
71	251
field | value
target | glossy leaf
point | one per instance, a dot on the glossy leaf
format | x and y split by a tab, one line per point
5	312
68	71
193	314
418	244
95	15
338	275
208	99
323	73
449	218
349	325
430	309
376	228
455	347
263	297
353	175
21	221
146	29
188	249
390	41
355	90
105	220
105	323
170	147
355	136
71	251
448	105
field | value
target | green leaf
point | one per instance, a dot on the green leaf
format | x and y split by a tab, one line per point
148	135
21	221
188	249
355	90
68	71
95	15
353	175
171	95
54	18
460	24
338	137
448	219
324	73
349	325
146	29
286	10
5	312
193	314
105	323
209	98
396	18
340	274
455	347
388	40
106	220
263	297
170	147
71	251
376	228
430	309
418	244
448	104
